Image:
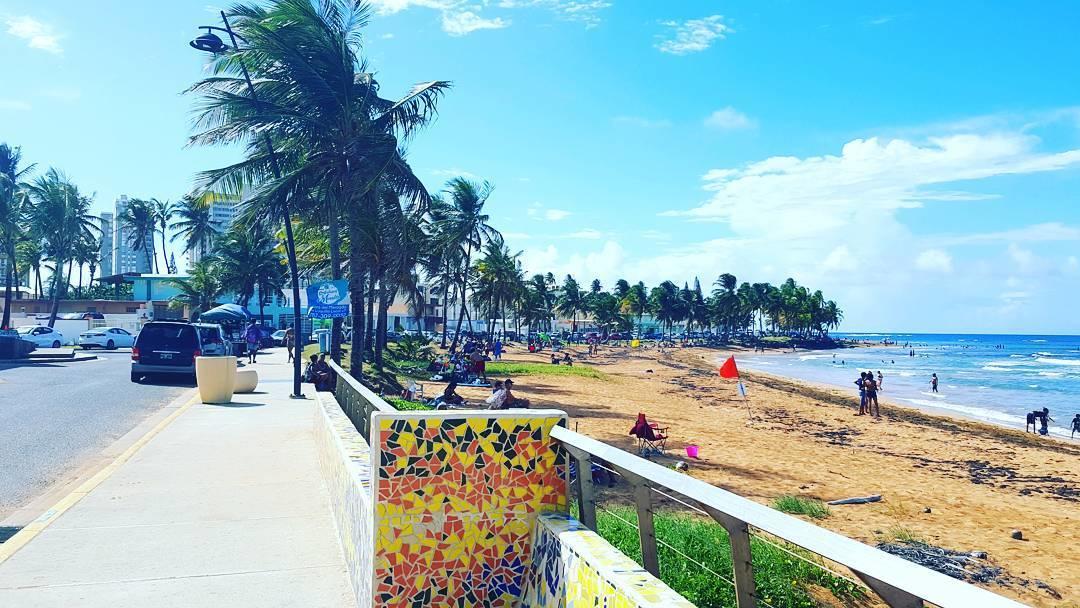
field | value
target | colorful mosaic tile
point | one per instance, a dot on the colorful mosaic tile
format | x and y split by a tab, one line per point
345	460
572	567
456	497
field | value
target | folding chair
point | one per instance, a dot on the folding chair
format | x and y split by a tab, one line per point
652	438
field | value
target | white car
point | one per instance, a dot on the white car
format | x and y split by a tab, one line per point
106	337
41	336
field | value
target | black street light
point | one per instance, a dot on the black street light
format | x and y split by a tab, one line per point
212	43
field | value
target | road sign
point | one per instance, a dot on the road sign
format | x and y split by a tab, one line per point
328	299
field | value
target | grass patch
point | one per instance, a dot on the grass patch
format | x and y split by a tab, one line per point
810	507
777	339
782	580
514	368
405	405
905	534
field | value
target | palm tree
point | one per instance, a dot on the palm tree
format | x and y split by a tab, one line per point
29	255
195	225
11	218
200	291
638	299
85	254
467	225
246	260
322	127
139	222
163	213
571	301
60	217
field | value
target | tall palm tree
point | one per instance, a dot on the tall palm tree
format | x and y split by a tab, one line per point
12	199
321	124
195	225
85	254
139	222
467	225
571	301
639	301
29	255
245	259
163	213
60	217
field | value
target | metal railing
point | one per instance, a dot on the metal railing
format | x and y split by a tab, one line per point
357	401
899	583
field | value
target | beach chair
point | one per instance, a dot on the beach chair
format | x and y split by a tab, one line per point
652	438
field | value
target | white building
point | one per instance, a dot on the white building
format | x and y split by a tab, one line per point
126	259
105	245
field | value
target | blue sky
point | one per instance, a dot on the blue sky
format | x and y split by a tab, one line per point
917	161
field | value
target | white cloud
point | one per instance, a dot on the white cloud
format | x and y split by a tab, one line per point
37	35
694	35
880	20
460	23
539	211
840	258
584	11
1045	232
934	260
516	236
453	172
729	119
588	233
387	36
1022	259
389	7
14	105
640	121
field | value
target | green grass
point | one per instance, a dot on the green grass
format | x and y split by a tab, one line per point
782	580
514	368
811	507
905	534
777	339
405	405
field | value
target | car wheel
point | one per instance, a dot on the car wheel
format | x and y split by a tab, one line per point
111	345
136	378
56	344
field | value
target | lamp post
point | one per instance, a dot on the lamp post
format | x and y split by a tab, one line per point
212	43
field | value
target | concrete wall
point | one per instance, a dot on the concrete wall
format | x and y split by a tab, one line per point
571	566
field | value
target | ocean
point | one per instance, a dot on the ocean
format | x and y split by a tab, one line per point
993	378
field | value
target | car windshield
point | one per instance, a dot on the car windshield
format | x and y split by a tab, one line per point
167	334
25	330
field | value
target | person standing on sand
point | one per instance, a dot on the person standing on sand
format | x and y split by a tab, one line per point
871	387
933	382
861	383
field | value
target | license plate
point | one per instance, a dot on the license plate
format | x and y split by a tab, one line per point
166	355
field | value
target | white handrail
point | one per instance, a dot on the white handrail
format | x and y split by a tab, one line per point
924	583
376	401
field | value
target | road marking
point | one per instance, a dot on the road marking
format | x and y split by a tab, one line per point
28	533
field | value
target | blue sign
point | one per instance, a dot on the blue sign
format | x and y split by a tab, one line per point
328	299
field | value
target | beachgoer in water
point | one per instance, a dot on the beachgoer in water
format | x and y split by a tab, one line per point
1075	426
1044	417
861	383
1029	422
880	381
933	382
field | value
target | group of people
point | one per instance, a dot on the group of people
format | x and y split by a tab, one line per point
318	372
566	359
502	397
468	366
868	390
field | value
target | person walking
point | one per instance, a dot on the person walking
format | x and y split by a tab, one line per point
252	336
933	382
497	349
289	342
1075	426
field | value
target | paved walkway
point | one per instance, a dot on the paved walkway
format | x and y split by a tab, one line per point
225	506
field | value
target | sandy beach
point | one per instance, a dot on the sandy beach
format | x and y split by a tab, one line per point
951	482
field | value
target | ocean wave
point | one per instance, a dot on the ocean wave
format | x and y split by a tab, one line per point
1036	341
1052	374
995	368
810	357
1058	361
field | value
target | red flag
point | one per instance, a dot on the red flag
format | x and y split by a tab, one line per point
728	369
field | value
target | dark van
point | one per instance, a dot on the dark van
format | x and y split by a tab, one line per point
165	348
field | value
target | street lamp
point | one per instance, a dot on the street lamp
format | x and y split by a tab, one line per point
212	43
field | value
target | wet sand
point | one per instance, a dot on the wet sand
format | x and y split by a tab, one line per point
979	481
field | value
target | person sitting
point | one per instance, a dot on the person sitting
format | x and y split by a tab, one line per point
567	359
510	401
450	395
554	359
498	396
319	373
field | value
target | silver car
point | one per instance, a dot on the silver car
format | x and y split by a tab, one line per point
213	340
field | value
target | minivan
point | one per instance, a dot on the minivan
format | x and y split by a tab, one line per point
165	348
212	338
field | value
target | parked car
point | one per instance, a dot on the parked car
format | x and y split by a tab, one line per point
106	337
41	336
279	337
165	348
213	340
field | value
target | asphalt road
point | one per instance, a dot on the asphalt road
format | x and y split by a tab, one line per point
53	417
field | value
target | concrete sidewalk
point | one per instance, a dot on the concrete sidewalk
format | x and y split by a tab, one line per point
225	506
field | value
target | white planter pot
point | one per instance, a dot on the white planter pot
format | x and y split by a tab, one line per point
246	380
216	377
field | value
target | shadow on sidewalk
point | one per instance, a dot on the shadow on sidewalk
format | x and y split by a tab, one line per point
235	404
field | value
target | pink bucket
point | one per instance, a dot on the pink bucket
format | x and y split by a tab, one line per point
691	451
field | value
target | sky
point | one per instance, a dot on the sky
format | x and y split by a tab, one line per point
919	162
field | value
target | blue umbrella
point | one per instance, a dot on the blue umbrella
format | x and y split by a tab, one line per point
225	313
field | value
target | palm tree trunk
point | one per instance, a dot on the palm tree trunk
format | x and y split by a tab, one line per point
164	253
67	284
78	291
6	321
55	293
356	300
38	289
464	291
445	311
335	274
369	339
380	333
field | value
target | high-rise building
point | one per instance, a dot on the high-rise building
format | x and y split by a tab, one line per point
125	258
222	213
105	245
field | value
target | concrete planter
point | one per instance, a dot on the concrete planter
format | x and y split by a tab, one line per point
246	380
216	377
